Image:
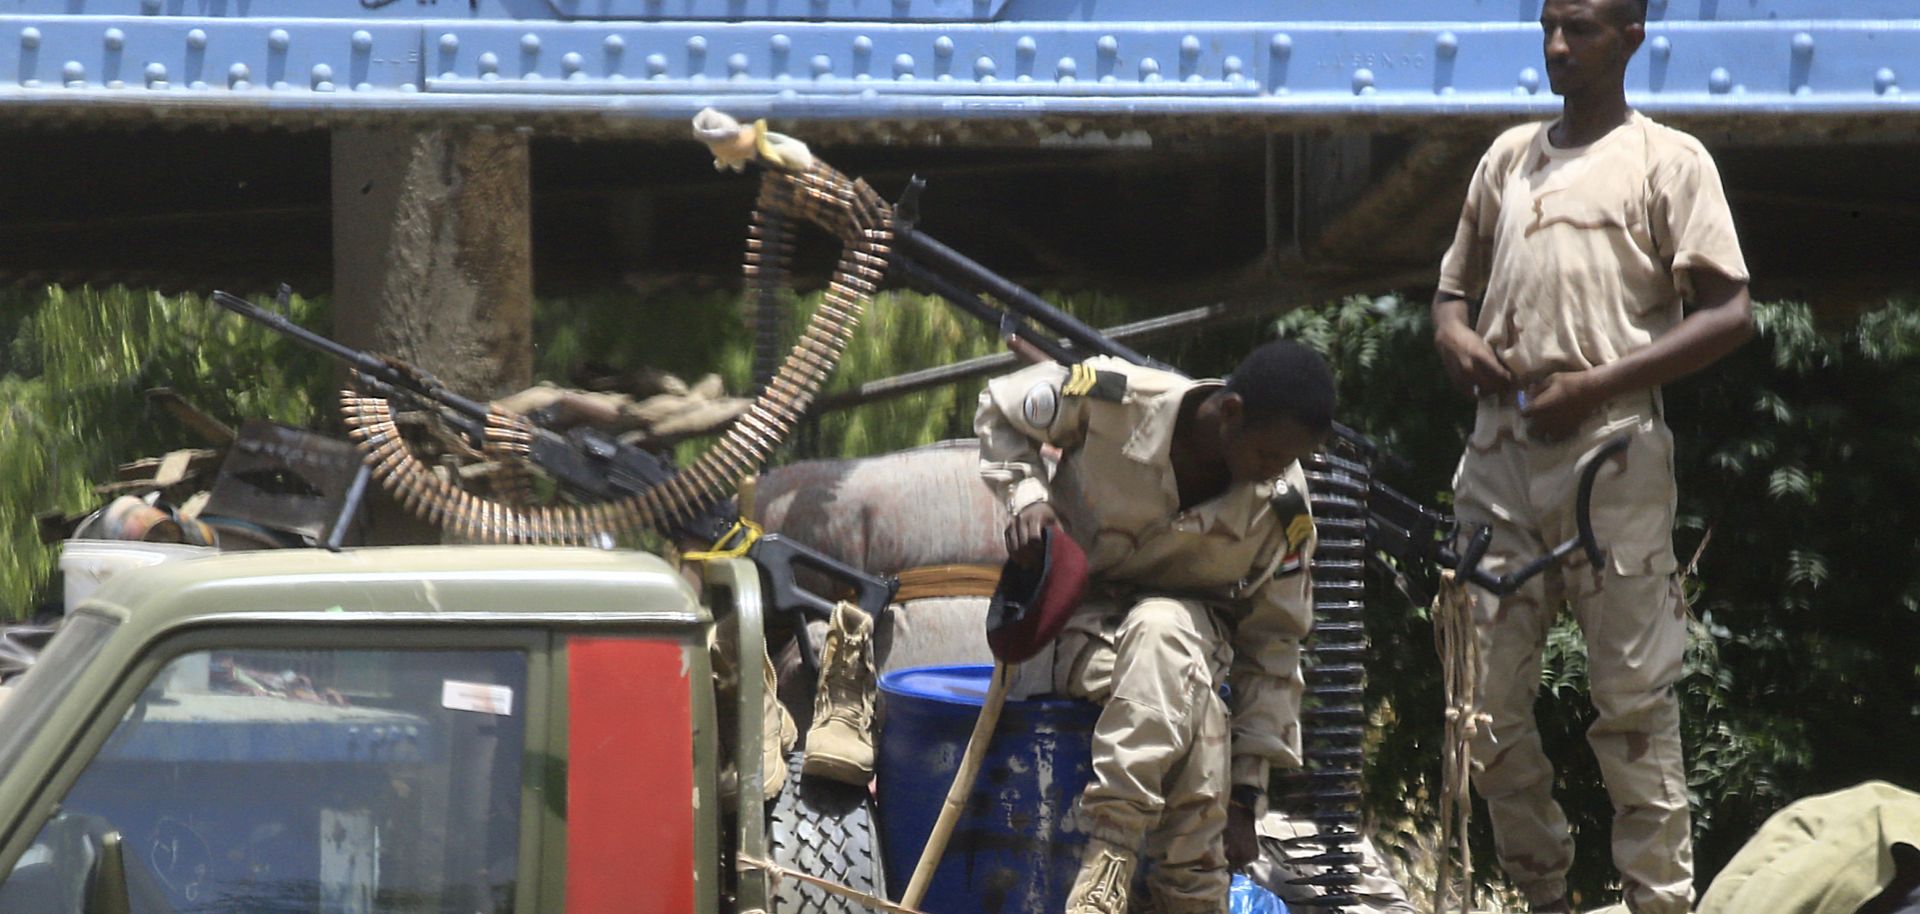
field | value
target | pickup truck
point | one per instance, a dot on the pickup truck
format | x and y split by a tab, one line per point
411	729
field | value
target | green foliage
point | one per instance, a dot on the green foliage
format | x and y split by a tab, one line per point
1801	674
77	363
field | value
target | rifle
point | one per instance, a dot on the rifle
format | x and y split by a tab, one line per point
1407	539
587	464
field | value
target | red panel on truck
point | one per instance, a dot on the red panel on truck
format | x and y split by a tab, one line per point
629	777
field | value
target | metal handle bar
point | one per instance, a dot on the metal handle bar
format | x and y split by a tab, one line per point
1466	564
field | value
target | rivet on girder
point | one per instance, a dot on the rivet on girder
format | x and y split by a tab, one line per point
156	74
1149	70
530	44
862	45
983	68
1066	69
74	74
1446	44
780	44
114	39
449	43
278	39
656	66
1886	82
1231	67
1803	44
197	39
489	64
1719	81
1281	45
903	66
1529	82
822	65
1190	46
571	64
238	76
29	38
737	65
943	47
1108	45
1661	46
614	45
1363	81
322	78
362	40
1023	53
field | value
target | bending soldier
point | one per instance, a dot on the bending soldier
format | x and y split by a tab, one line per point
1188	498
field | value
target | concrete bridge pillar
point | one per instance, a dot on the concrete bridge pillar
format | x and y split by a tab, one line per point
432	251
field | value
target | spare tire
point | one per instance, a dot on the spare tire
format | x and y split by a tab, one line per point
826	829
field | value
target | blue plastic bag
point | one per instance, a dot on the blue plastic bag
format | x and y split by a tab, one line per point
1249	897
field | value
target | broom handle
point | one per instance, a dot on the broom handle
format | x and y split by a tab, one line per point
962	785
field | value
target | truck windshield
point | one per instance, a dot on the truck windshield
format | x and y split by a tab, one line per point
53	675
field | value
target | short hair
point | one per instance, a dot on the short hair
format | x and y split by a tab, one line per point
1285	380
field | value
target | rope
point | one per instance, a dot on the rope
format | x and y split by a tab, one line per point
779	872
748	533
1459	646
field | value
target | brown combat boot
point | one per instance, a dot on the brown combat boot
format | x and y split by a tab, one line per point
1106	876
840	742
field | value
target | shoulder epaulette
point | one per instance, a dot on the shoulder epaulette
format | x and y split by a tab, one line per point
1094	384
1290	508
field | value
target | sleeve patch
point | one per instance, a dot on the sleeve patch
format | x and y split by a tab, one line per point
1041	406
1089	382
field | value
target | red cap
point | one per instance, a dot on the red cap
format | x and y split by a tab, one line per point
1031	604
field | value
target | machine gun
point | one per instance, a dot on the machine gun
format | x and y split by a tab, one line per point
614	483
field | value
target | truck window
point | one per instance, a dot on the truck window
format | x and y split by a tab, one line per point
349	781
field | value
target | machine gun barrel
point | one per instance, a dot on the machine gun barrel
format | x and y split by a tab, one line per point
365	363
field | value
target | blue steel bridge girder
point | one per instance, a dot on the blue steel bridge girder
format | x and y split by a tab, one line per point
649	64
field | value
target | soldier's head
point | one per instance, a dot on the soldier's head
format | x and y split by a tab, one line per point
1277	408
1588	43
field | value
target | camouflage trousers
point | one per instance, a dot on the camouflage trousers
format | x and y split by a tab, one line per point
1161	745
1633	621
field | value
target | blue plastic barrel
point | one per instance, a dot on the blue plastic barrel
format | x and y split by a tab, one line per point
1015	849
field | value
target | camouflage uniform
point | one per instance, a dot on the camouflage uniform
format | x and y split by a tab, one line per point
1579	257
1181	604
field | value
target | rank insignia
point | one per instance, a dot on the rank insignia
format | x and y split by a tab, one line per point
1086	381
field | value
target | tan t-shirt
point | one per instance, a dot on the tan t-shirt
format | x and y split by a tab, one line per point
1580	256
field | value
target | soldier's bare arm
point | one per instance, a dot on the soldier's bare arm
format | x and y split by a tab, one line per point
1470	363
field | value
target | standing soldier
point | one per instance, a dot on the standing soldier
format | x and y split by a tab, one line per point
1188	498
1560	307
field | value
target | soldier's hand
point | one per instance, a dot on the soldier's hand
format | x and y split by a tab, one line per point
1557	405
1243	844
1470	363
1023	534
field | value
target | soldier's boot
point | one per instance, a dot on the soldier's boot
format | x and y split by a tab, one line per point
840	742
1106	876
778	733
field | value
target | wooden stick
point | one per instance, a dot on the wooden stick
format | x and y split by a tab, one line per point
962	785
